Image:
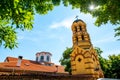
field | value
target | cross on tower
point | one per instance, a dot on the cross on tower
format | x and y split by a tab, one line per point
77	17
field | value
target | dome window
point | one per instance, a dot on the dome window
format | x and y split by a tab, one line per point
42	58
48	58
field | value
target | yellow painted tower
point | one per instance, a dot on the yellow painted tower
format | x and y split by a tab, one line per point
84	59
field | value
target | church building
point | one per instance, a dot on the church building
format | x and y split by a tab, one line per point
84	59
42	63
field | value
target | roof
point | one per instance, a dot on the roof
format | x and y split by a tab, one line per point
79	20
44	53
11	62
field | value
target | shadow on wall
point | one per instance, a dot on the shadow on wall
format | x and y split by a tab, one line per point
107	79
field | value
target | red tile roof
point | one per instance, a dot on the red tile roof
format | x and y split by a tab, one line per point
11	62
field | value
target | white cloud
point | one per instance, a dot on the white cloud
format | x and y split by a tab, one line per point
20	37
28	38
67	22
64	23
104	40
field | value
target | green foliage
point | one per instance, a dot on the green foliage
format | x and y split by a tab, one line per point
101	59
19	14
65	60
110	66
117	30
115	65
99	52
105	10
7	35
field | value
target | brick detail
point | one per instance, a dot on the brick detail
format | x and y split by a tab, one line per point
88	62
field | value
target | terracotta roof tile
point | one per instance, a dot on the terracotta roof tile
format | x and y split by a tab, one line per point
30	65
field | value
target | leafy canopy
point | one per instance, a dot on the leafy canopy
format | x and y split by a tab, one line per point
114	61
65	60
19	14
7	34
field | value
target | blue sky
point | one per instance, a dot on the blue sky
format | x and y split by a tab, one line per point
52	33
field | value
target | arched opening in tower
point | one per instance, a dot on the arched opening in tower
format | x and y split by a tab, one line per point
76	40
82	36
80	28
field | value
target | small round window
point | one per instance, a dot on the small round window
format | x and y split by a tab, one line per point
79	60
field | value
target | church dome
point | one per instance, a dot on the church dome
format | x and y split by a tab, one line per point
43	56
78	20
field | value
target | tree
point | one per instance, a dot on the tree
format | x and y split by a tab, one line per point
114	65
19	14
65	60
110	66
99	52
104	10
104	63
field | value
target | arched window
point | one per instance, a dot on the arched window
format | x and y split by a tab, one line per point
80	28
76	40
48	58
42	58
75	29
82	36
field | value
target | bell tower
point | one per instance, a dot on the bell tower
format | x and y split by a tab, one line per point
80	36
84	59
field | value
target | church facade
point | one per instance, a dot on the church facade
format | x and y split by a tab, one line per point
84	59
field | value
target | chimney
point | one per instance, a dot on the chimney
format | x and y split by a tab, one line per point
56	69
19	61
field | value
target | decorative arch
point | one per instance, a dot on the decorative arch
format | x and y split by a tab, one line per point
76	53
87	54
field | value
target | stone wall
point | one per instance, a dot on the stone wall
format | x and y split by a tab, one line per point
45	76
